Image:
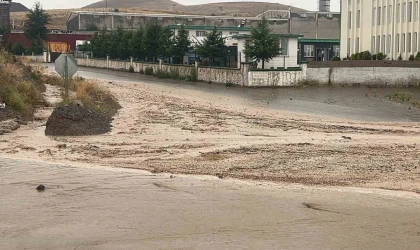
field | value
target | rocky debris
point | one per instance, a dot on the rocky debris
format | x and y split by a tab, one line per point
40	188
76	120
8	126
346	137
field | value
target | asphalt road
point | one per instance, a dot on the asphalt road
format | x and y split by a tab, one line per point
109	208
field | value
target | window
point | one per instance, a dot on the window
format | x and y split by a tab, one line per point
415	41
410	11
378	44
384	15
404	12
358	19
379	16
349	19
308	50
416	11
349	47
383	44
403	43
390	14
373	16
409	42
388	45
398	13
373	45
397	43
336	50
200	33
357	44
284	46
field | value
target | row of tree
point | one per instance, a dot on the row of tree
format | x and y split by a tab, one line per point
155	41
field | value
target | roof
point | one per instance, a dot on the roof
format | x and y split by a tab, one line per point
201	27
308	40
245	36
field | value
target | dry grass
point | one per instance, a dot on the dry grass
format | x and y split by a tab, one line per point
94	97
21	86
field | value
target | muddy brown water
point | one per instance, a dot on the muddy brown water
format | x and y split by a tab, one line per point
353	103
88	207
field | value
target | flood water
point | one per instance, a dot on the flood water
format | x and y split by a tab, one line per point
110	208
354	103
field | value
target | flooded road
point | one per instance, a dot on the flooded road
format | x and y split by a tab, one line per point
108	208
353	103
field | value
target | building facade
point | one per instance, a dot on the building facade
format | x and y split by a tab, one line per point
318	49
388	26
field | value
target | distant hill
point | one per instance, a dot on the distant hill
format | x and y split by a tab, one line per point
146	4
18	7
227	8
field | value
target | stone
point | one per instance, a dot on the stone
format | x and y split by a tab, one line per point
40	188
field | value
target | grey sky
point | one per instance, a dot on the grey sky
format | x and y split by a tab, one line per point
60	4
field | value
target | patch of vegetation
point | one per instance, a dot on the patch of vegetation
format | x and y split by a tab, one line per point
131	69
192	77
404	97
336	58
148	71
230	84
94	97
21	86
304	83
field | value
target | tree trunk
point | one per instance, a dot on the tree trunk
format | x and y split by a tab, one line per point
263	64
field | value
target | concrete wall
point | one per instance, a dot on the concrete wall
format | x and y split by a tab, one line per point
383	76
242	76
276	78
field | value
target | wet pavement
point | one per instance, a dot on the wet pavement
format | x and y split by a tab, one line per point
86	207
364	104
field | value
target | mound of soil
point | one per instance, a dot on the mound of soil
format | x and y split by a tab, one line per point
76	120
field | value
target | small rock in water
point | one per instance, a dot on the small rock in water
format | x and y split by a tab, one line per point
40	188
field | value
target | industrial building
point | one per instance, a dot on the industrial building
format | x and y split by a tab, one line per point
314	25
5	14
390	27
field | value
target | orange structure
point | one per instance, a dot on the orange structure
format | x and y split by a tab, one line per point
58	47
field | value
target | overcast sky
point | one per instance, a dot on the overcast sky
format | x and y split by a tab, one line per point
60	4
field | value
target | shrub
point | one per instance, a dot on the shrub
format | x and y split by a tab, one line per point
230	84
336	58
381	56
148	71
374	57
192	77
417	58
366	55
17	49
131	69
400	58
411	58
141	71
12	98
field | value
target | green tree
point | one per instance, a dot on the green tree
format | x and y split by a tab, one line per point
123	48
135	44
182	45
149	41
213	46
36	24
165	43
17	49
100	44
265	45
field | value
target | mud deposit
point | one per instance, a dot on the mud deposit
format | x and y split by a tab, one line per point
76	120
87	207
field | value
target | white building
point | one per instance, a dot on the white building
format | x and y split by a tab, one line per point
388	26
288	46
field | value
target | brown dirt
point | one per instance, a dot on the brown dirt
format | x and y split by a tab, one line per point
179	130
76	120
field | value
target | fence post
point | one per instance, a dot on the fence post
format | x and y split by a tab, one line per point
245	73
131	61
196	66
107	62
160	64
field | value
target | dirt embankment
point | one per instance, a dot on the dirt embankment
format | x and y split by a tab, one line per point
76	120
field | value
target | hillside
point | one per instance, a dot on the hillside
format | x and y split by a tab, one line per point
227	8
149	4
17	7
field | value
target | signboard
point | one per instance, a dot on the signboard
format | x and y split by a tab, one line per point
58	47
66	61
